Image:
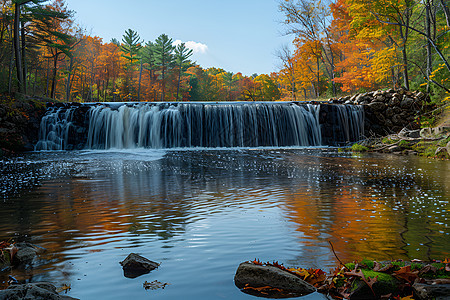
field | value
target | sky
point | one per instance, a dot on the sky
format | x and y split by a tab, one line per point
235	35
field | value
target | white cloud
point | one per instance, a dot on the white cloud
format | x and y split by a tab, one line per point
196	47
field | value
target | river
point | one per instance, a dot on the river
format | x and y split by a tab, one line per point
202	212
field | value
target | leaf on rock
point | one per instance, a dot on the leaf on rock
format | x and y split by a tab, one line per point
64	288
407	274
315	277
379	267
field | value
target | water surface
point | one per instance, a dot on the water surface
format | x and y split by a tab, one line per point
202	212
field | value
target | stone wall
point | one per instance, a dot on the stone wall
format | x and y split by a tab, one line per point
388	111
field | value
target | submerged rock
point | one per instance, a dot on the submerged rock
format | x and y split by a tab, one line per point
25	254
35	291
257	276
135	265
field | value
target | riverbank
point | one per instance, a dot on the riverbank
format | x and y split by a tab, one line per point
431	142
20	117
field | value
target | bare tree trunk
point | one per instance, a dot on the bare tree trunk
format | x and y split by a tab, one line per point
35	80
48	77
428	33
11	67
446	12
178	87
318	76
105	93
16	42
55	68
24	61
163	94
139	83
69	81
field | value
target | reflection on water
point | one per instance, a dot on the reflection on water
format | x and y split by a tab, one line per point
203	212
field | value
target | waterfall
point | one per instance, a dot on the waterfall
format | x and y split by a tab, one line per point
352	122
187	125
54	129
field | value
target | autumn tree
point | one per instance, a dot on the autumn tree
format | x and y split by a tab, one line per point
309	22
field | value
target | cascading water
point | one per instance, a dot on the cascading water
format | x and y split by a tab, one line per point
176	125
54	129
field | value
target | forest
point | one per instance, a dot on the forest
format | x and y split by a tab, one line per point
339	47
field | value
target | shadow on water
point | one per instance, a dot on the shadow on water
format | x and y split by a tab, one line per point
203	212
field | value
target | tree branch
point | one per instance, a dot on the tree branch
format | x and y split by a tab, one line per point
419	32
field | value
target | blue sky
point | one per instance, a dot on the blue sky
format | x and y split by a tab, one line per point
236	35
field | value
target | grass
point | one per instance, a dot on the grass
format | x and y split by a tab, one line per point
359	148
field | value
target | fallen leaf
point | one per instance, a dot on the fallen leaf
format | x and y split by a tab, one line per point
64	287
303	273
407	274
266	290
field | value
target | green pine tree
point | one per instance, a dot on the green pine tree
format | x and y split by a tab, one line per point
164	59
182	62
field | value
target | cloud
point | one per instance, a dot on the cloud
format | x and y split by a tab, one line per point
196	47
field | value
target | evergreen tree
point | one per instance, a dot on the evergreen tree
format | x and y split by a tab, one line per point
131	46
182	62
164	59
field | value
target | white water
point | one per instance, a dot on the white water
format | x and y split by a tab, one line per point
204	125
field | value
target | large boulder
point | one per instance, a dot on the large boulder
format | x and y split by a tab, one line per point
257	276
32	291
135	265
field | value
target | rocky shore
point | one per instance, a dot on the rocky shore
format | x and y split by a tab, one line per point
19	123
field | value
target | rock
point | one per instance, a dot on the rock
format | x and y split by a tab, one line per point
397	120
432	291
448	147
394	148
389	112
25	254
380	98
438	131
406	102
377	106
359	98
397	110
420	96
415	134
426	132
252	275
135	265
380	288
32	291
